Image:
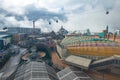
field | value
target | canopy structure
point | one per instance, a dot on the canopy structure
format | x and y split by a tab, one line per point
35	71
78	61
72	73
90	46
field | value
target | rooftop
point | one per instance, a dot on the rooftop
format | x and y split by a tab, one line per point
35	71
1	36
72	73
79	61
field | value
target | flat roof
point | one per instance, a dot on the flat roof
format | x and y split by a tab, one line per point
3	36
42	38
114	57
78	61
117	57
72	73
36	71
1	30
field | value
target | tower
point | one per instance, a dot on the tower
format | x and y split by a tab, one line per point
107	29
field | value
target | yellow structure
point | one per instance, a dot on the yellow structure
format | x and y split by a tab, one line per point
85	45
94	51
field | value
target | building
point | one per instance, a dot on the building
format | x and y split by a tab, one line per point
62	31
4	56
88	45
4	40
40	71
35	71
19	37
72	73
13	30
118	32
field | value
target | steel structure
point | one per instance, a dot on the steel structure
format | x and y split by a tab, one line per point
72	73
35	71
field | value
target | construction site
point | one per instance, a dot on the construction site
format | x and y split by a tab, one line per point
75	57
60	40
99	58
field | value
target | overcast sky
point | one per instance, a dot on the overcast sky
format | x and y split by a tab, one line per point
71	14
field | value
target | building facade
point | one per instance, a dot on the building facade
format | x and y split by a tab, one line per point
4	41
62	31
22	30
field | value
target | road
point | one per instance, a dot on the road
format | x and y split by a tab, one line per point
11	65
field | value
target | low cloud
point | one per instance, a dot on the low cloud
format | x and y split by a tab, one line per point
34	13
72	14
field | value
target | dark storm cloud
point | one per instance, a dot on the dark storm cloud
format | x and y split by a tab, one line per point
2	11
4	22
17	17
34	13
11	14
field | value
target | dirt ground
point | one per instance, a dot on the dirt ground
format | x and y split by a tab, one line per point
57	62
